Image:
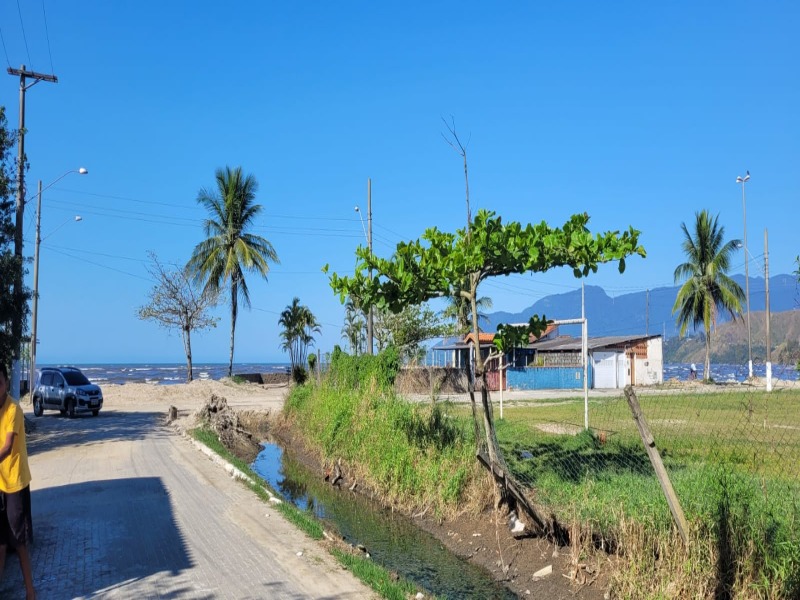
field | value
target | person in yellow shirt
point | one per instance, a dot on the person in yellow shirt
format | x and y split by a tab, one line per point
16	525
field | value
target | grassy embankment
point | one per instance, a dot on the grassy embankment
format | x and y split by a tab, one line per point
732	459
412	454
743	522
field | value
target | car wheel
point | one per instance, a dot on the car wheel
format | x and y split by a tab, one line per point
38	408
71	409
96	412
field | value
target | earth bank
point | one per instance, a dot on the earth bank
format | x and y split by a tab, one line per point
484	539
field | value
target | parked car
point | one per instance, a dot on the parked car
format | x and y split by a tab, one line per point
66	389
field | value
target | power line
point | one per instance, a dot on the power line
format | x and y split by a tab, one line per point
47	35
102	266
24	37
5	51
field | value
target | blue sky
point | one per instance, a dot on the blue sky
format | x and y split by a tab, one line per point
638	113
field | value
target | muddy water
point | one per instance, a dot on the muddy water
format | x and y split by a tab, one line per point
391	540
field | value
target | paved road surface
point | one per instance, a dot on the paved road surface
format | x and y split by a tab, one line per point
124	507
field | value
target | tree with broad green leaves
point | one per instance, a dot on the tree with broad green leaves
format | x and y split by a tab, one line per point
177	303
408	329
706	288
13	300
230	250
439	263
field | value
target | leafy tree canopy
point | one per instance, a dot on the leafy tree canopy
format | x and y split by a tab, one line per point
409	328
435	264
12	304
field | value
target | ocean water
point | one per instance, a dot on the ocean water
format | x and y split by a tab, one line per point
168	373
731	373
171	373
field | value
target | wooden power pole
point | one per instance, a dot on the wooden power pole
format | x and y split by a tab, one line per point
17	324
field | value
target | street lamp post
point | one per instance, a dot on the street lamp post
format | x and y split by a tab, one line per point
35	308
743	181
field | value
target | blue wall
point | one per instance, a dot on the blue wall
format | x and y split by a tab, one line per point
546	378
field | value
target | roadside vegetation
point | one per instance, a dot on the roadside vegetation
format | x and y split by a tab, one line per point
744	539
414	455
740	497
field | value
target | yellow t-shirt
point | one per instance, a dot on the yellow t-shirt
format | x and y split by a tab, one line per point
15	474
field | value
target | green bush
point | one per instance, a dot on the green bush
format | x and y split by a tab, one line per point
356	371
299	374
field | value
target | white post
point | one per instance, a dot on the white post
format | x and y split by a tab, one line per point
501	386
585	358
769	338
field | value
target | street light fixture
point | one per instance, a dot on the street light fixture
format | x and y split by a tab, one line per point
743	181
35	309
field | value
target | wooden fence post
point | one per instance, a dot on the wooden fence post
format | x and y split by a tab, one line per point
658	464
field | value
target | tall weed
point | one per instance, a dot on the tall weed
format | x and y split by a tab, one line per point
416	456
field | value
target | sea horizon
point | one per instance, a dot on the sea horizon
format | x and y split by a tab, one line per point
170	373
166	373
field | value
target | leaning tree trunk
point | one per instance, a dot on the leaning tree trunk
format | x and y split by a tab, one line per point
490	437
234	310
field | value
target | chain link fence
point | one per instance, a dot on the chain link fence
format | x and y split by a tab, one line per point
731	453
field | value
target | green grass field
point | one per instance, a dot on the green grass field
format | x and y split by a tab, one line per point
733	460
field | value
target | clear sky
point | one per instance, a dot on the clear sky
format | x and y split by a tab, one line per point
638	113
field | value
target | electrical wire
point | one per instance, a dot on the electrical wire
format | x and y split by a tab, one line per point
5	51
97	264
24	37
47	35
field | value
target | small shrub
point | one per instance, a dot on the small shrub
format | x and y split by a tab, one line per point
299	374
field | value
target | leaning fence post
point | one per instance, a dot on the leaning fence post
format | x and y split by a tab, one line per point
655	460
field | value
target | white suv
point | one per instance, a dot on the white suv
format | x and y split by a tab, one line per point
66	389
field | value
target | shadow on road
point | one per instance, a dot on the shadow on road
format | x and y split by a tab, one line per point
52	431
109	532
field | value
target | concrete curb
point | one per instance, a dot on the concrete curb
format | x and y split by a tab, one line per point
231	470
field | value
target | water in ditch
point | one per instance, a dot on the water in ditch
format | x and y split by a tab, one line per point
392	540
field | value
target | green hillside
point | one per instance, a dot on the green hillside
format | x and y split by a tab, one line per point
729	341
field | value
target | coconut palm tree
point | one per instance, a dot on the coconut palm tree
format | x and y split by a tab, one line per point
230	250
460	311
298	324
353	330
706	288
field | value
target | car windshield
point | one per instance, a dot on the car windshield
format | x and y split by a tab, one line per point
75	378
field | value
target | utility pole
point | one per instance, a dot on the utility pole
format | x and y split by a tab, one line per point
370	332
769	339
17	325
35	313
743	181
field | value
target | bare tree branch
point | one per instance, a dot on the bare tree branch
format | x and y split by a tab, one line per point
456	145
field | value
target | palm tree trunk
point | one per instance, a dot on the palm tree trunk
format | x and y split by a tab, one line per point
234	310
707	370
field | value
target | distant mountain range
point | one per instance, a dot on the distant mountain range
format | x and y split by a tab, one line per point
647	312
